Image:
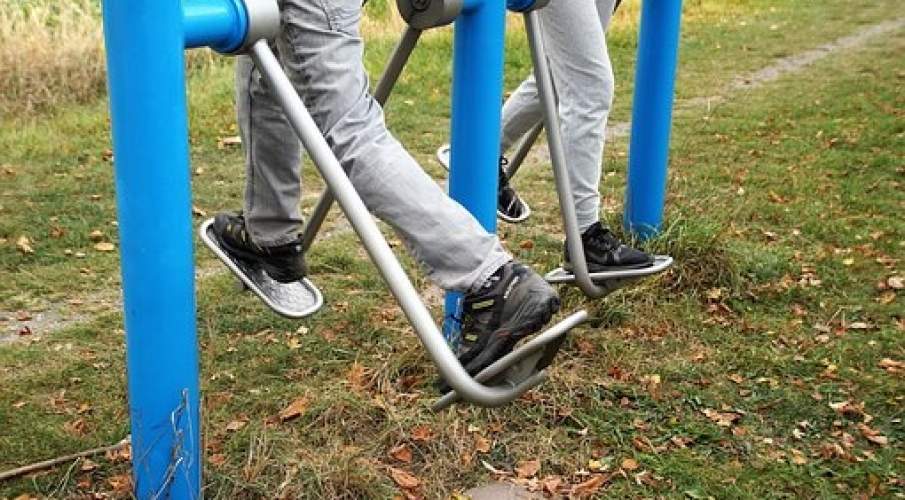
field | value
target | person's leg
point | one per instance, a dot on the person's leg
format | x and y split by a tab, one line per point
521	112
322	52
576	48
272	161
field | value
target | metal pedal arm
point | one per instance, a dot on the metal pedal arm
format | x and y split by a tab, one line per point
558	159
376	245
523	148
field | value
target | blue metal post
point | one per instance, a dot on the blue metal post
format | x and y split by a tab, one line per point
655	76
475	138
145	41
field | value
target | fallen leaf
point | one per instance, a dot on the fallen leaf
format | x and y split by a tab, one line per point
892	366
121	483
77	427
873	435
551	484
104	246
526	244
527	468
402	453
422	433
236	425
223	142
294	410
217	459
588	487
24	245
481	444
96	235
848	409
896	282
404	479
358	377
722	419
630	464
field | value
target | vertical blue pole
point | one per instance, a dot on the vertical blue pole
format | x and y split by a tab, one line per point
475	139
655	78
146	80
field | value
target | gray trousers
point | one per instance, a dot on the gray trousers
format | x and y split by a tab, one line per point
321	50
574	37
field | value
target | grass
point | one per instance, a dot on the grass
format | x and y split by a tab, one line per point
714	381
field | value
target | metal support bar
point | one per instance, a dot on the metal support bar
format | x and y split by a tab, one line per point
372	239
522	149
146	79
655	77
557	155
385	85
475	138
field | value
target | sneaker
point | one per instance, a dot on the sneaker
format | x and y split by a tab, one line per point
513	304
284	263
510	207
604	252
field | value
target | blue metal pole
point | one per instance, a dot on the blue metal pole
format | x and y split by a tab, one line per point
145	40
146	80
655	77
475	138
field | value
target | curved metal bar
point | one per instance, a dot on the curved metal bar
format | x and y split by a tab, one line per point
372	239
532	347
381	94
557	156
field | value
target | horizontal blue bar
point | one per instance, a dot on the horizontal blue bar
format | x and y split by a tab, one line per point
219	24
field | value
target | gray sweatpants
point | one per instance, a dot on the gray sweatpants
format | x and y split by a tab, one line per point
321	51
574	36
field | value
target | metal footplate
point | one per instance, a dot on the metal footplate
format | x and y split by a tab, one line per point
293	300
525	367
614	280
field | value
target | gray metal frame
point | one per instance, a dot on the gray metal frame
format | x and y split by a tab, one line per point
379	250
588	283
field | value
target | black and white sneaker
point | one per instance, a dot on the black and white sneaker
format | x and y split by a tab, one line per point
284	263
513	304
604	252
510	206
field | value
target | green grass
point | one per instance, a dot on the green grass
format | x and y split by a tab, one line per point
772	191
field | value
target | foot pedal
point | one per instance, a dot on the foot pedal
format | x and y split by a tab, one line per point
295	300
526	365
613	280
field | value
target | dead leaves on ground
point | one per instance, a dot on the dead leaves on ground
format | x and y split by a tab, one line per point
295	409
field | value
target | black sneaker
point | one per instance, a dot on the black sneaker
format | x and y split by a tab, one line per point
604	252
510	207
514	303
284	263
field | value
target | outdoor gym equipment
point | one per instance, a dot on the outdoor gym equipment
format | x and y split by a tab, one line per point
600	284
145	41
